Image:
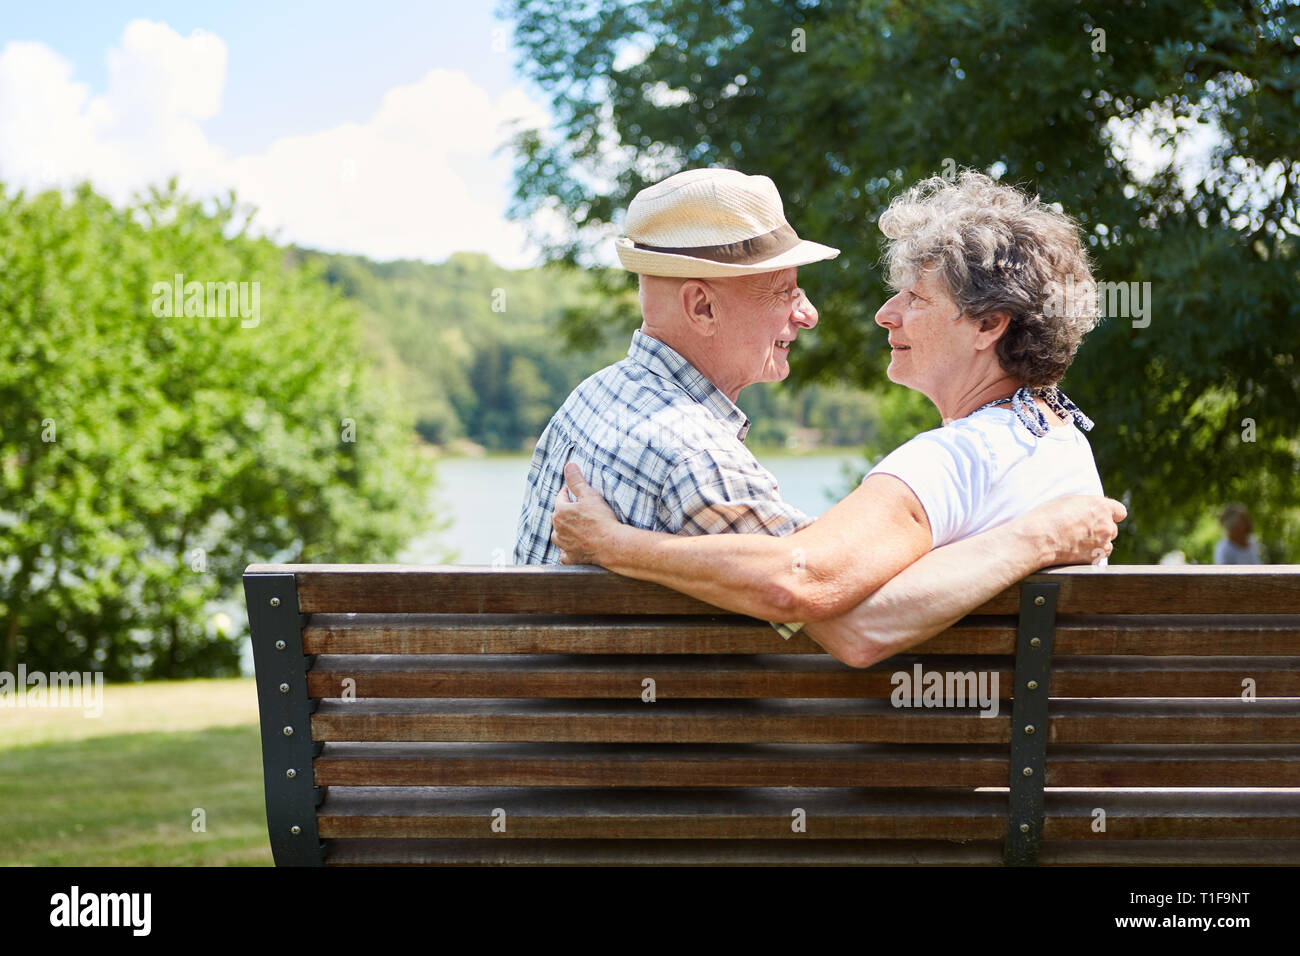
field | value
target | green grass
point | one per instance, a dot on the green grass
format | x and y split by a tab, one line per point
121	790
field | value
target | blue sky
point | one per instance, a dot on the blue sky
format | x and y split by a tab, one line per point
287	84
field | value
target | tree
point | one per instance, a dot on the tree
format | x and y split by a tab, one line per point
152	444
845	103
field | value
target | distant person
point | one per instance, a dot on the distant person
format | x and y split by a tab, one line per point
974	326
1238	545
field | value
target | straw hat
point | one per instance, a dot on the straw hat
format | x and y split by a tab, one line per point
706	223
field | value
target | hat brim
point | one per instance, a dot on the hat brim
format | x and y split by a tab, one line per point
688	267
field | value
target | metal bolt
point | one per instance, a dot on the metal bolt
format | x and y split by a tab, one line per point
1035	642
1028	771
295	829
1032	685
288	731
291	773
284	688
1029	728
1040	601
1024	828
275	602
279	645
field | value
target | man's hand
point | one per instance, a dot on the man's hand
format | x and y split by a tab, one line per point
581	526
1078	529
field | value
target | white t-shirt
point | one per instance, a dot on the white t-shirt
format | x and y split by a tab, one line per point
1229	552
981	471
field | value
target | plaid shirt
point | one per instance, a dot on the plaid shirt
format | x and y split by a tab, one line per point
663	446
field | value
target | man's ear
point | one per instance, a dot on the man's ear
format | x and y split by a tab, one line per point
991	328
698	301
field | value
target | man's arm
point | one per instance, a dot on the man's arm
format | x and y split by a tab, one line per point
815	573
950	582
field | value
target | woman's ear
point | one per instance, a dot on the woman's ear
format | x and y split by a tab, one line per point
698	301
991	328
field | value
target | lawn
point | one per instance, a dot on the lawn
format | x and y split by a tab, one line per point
122	789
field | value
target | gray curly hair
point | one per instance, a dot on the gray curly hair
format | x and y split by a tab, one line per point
998	249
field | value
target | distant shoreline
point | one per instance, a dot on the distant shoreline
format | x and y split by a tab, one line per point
454	453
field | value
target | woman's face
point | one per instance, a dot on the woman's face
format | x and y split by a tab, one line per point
930	346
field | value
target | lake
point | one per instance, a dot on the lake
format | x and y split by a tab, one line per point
481	498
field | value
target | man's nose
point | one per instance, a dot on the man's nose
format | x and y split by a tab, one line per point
805	312
887	314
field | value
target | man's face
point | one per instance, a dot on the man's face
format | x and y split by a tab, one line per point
759	319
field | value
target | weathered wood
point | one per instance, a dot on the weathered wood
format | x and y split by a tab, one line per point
666	721
1169	853
667	765
417	852
774	676
821	721
770	813
1256	635
468	813
1123	589
794	765
398	852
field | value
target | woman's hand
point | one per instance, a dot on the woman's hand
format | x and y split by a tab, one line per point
582	526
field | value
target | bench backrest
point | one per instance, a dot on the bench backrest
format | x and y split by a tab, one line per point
569	715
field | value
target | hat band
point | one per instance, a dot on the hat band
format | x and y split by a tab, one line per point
746	251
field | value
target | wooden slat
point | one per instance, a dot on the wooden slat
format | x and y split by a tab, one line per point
543	634
672	765
1170	853
398	852
1161	589
777	676
447	589
416	852
566	813
822	721
769	813
1155	635
675	677
795	765
666	721
1133	589
1172	815
1165	721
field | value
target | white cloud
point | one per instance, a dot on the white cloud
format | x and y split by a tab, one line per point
423	178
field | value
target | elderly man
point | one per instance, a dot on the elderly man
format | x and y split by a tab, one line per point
659	433
660	439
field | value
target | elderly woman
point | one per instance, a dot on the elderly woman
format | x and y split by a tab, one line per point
994	296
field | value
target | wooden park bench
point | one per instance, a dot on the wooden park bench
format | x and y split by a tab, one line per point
526	715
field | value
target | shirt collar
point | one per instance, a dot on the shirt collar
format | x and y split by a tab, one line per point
666	362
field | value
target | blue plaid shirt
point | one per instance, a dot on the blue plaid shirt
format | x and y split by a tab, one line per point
663	445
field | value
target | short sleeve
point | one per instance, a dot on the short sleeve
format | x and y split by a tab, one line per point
711	492
948	470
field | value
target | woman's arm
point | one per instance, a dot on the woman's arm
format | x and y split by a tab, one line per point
942	587
820	571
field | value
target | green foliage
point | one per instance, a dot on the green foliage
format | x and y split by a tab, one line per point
886	93
472	347
146	458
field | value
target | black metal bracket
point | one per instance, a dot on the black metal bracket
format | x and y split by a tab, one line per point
1035	637
284	710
